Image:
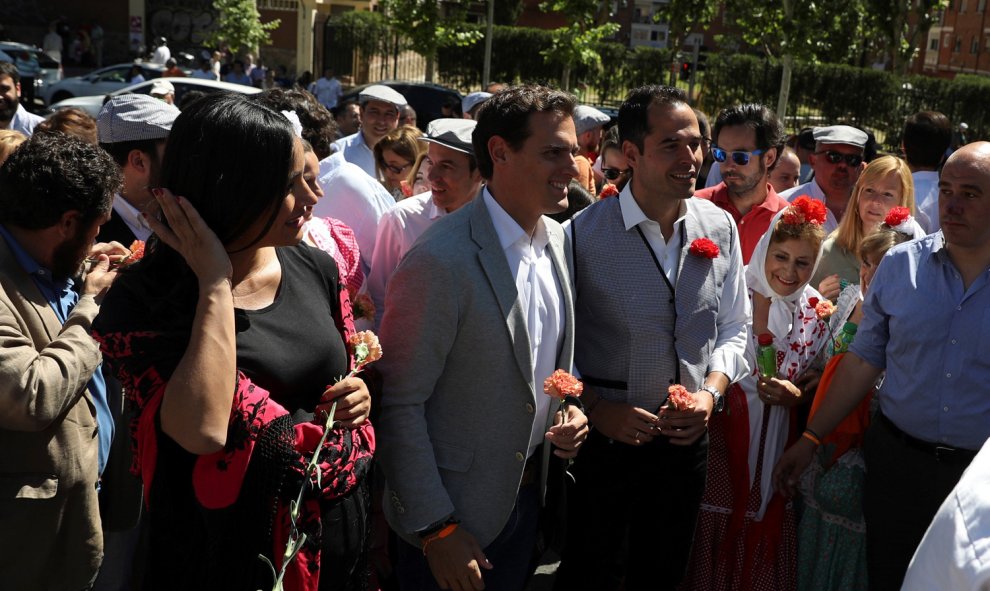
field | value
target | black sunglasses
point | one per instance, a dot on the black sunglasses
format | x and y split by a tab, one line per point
613	173
396	169
740	157
837	157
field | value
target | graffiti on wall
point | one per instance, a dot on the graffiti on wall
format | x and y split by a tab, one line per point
182	23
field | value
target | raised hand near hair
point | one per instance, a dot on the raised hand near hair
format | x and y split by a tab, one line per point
189	235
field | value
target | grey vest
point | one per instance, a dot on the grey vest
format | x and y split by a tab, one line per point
632	338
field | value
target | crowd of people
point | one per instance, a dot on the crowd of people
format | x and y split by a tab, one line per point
781	372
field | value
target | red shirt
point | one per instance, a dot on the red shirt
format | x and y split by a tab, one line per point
754	224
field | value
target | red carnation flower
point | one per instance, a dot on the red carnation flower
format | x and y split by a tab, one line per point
562	384
805	210
679	398
703	247
609	190
897	216
137	251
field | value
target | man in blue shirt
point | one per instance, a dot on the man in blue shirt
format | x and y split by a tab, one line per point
55	423
927	325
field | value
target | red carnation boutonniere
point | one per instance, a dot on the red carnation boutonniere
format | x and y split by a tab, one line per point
609	190
678	398
705	248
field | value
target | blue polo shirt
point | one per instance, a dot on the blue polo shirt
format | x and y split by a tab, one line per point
62	298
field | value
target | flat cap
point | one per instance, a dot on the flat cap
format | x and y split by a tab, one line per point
134	117
587	118
380	92
841	134
161	87
452	133
473	100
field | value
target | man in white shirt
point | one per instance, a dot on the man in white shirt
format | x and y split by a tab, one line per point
837	162
455	180
52	44
132	128
478	315
12	114
162	52
926	137
327	89
380	107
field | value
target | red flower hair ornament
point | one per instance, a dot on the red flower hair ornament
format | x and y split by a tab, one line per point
705	248
899	219
805	210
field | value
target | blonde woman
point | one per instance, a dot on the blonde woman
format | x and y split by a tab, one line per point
884	184
9	140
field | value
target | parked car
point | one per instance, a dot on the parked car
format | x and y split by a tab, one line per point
424	97
51	70
101	81
92	104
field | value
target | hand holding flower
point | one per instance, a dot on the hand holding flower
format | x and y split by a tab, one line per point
353	402
570	429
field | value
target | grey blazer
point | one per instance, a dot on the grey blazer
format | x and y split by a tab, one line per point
458	394
49	514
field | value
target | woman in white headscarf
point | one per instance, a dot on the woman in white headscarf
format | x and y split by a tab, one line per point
746	537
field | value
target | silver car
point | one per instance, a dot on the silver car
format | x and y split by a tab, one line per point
101	81
92	104
51	70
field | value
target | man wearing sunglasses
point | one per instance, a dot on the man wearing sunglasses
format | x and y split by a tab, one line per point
747	144
837	162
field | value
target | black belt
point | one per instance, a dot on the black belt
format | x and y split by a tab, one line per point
942	453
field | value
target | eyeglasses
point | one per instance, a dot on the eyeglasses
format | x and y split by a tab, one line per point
396	169
740	157
837	157
613	173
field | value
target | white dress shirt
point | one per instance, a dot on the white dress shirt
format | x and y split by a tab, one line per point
955	552
812	190
24	121
132	217
926	199
354	198
327	92
398	229
540	299
357	152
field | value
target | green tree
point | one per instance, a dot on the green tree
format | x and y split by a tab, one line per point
684	17
239	26
428	27
577	43
904	24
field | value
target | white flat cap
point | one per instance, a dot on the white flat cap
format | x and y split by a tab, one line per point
452	133
840	134
161	88
473	100
134	117
380	92
587	118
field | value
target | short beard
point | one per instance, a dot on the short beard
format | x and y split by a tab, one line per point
69	256
8	114
750	183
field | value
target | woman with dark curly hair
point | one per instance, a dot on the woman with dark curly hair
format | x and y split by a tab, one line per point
230	337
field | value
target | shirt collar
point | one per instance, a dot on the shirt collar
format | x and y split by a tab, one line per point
633	216
130	214
432	210
27	262
509	232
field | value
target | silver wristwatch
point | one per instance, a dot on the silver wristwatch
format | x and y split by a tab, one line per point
717	399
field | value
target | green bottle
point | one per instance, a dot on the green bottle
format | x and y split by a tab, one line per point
766	355
845	338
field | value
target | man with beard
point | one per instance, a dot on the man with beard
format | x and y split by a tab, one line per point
12	114
748	140
380	107
837	162
55	423
665	273
132	129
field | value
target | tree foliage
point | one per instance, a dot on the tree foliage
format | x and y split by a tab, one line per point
574	45
428	26
904	25
239	25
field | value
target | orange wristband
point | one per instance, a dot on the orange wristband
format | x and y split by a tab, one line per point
807	435
439	535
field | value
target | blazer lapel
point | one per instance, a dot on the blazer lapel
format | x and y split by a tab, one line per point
496	268
25	294
565	356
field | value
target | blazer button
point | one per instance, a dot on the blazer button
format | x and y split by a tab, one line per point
400	510
529	408
520	456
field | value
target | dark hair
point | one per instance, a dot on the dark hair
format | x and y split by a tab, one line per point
634	116
768	128
506	114
319	126
189	97
71	121
703	125
230	158
926	137
610	139
53	173
336	111
9	69
120	150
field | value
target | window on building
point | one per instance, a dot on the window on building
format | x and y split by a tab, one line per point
962	6
982	5
974	46
958	46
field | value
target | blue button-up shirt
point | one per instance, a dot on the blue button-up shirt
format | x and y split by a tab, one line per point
933	338
62	298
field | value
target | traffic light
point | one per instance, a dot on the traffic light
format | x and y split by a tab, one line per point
685	70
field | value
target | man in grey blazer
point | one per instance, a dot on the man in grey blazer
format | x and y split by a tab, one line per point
477	315
55	422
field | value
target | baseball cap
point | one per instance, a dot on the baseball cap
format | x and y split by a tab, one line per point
134	117
161	88
473	100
